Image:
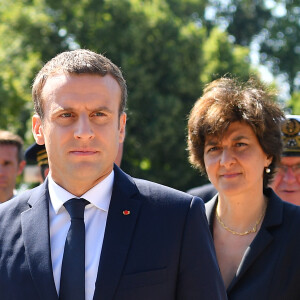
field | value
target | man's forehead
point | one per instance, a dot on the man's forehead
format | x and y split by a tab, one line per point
8	152
59	79
8	146
290	160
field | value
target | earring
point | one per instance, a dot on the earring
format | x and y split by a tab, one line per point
268	170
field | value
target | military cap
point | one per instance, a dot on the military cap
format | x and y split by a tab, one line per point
291	135
36	154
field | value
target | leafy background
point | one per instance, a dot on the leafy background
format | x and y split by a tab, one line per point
167	49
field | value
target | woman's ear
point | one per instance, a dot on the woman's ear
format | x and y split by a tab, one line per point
37	130
269	160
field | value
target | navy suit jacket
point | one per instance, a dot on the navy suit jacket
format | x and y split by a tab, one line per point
270	267
162	250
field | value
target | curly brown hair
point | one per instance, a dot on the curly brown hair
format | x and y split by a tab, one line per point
228	100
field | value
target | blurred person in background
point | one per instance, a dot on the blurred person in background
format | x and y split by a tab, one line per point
11	163
286	183
37	154
205	192
235	138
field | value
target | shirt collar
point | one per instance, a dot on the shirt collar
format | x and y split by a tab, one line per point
99	195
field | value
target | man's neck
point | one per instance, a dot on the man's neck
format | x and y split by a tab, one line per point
79	187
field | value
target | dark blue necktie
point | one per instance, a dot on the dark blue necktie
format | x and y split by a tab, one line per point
72	281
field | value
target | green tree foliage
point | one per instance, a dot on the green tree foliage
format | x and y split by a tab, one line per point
243	19
294	103
281	43
167	56
27	37
274	25
220	57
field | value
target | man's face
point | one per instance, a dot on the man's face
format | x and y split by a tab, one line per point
10	168
81	128
286	182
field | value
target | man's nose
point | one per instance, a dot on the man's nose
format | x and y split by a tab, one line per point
289	175
84	128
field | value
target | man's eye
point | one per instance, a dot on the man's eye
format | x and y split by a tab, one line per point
66	115
99	114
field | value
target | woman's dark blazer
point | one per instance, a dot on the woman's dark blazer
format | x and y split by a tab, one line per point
270	267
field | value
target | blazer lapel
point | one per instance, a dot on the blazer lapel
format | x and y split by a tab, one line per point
264	237
122	216
35	230
273	217
210	208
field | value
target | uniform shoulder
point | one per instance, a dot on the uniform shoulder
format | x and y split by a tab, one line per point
205	192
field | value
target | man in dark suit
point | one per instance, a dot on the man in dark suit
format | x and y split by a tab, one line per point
127	238
37	154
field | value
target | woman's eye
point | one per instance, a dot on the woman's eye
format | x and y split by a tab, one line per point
240	144
212	149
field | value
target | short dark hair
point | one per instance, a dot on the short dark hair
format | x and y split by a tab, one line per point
9	138
228	100
78	62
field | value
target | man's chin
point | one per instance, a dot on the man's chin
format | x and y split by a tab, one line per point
90	170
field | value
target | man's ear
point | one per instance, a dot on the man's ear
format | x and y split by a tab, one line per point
37	130
21	167
122	127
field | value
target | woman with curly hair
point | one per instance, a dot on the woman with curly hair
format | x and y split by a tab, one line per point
234	137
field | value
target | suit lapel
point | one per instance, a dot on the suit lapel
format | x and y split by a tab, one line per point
264	237
261	241
118	235
35	229
210	208
273	217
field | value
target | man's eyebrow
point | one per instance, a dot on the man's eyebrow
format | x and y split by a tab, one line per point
69	108
102	108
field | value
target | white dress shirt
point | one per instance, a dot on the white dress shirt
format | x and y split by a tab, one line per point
95	216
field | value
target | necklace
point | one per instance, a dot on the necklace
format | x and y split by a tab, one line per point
253	230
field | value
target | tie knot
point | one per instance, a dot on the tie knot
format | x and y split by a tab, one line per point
75	207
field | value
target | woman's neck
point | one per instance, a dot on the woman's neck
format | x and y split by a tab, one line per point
241	212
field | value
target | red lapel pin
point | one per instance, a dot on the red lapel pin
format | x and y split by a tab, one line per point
126	212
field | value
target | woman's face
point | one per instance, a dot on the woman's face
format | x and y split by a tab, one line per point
235	163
